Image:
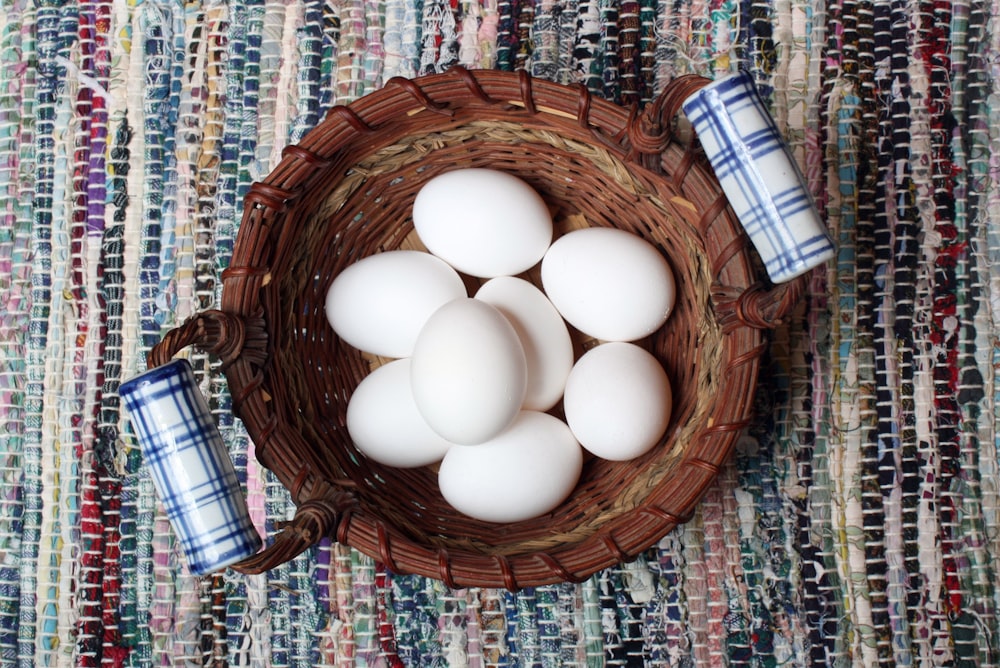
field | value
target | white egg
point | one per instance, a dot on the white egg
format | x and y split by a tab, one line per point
380	303
483	222
526	471
609	283
468	371
618	400
543	334
384	422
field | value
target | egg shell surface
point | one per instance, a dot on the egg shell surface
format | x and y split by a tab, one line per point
609	283
468	371
618	400
526	471
384	422
547	346
483	222
380	303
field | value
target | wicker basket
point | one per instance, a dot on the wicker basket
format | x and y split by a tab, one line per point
346	192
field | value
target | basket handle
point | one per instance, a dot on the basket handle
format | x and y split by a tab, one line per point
313	520
761	305
218	333
231	338
652	131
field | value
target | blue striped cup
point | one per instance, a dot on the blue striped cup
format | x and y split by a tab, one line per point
190	467
759	176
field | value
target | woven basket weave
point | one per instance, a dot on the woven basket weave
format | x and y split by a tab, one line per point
345	192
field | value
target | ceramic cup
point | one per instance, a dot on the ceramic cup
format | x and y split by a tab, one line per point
759	176
191	469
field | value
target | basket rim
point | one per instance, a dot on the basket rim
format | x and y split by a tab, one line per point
639	139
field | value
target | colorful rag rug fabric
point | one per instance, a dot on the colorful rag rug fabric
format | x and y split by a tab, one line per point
858	522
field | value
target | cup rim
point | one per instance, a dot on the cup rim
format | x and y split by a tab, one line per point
208	567
168	370
730	80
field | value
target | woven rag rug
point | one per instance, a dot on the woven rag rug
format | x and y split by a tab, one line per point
858	521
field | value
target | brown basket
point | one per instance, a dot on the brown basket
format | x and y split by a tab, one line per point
346	191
